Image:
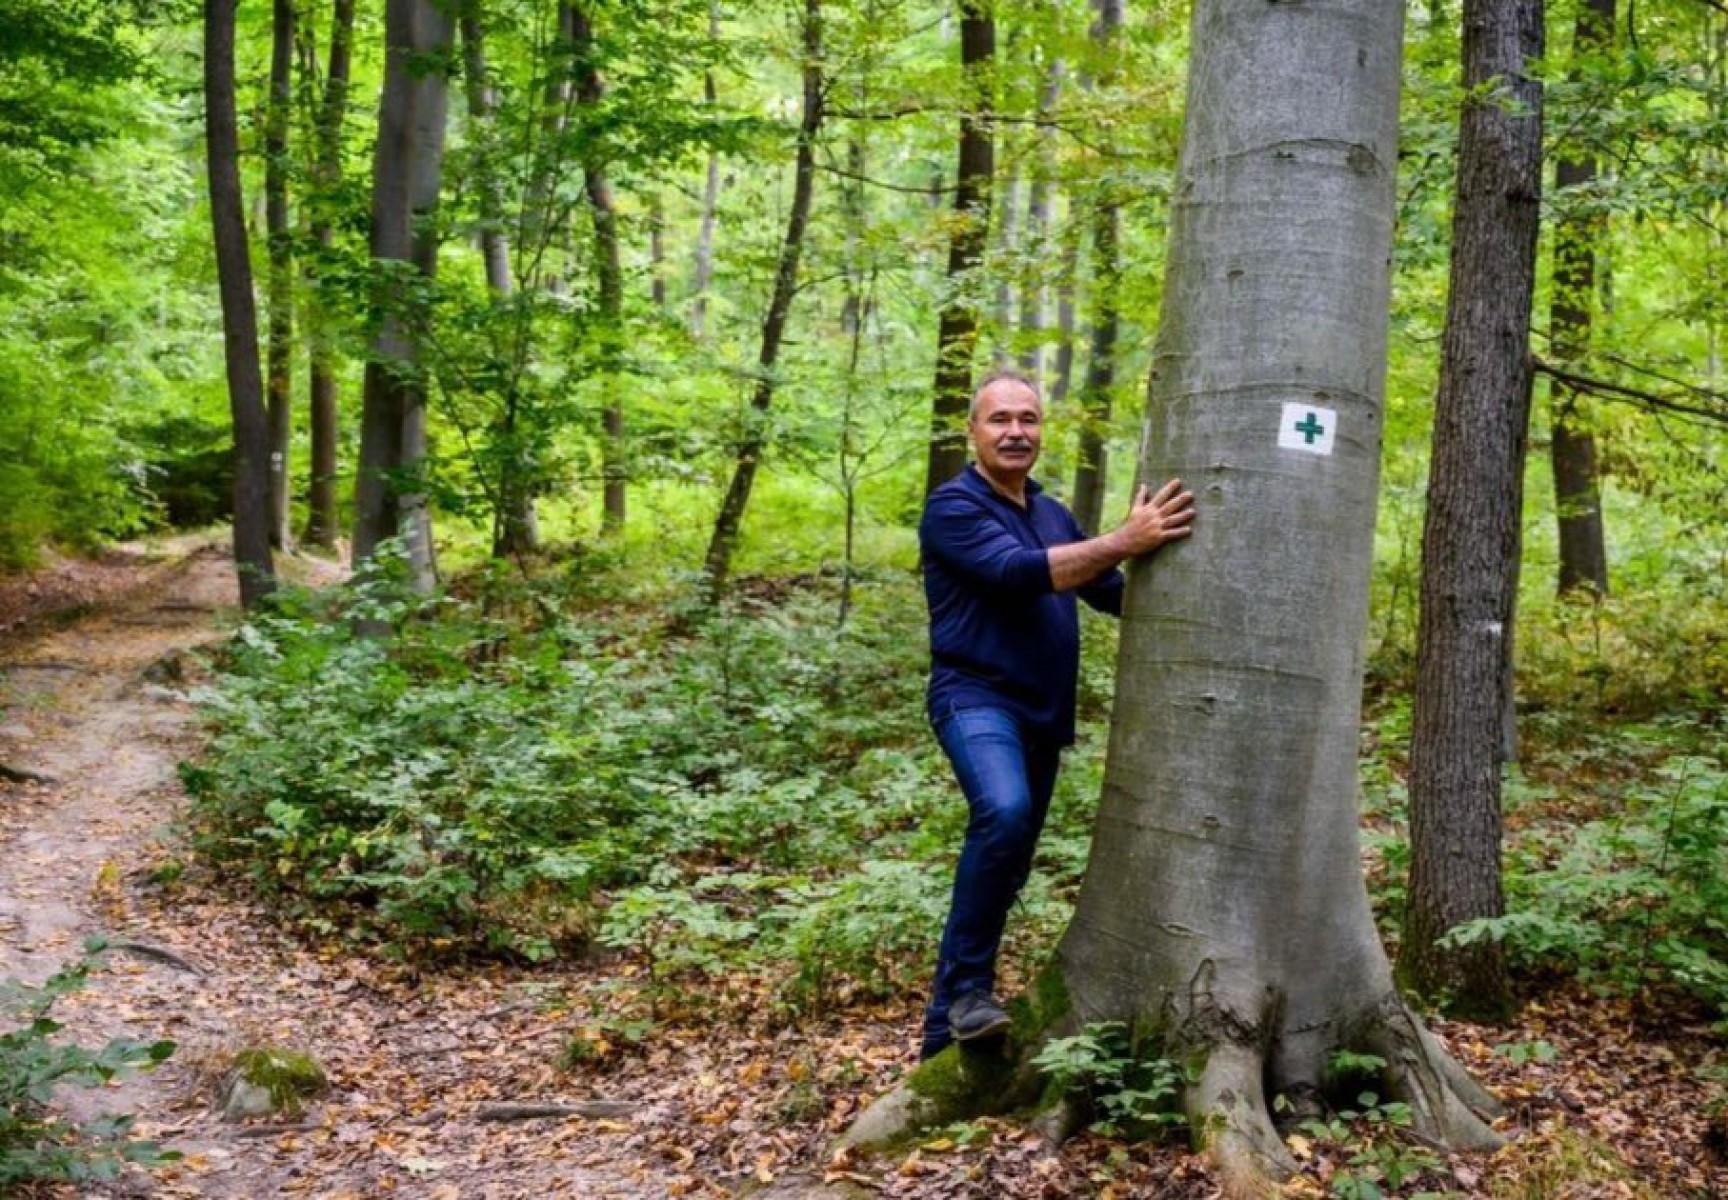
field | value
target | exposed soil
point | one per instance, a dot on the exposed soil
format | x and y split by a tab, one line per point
715	1101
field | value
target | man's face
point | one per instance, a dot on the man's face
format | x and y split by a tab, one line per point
1007	428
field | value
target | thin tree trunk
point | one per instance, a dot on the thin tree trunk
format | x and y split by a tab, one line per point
279	245
1066	279
1007	264
590	90
407	169
515	526
1038	208
957	326
1572	449
321	522
657	251
1091	467
239	310
710	200
1471	531
855	202
718	561
1222	917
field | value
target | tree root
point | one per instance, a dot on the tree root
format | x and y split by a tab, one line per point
155	954
20	775
1444	1102
592	1109
1228	1113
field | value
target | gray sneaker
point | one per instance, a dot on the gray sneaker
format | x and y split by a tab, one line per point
977	1015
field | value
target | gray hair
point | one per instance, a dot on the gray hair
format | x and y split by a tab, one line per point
1002	375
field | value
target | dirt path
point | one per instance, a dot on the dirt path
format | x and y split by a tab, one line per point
98	708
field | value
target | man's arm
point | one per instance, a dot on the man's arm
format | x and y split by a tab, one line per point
1152	521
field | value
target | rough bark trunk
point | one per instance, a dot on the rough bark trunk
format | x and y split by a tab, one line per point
957	326
1572	449
321	521
279	245
407	169
710	200
515	526
1222	915
609	271
1040	200
718	561
239	310
1471	531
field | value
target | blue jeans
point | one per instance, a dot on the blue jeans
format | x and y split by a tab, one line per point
1007	778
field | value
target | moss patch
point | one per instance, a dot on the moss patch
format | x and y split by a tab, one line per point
290	1076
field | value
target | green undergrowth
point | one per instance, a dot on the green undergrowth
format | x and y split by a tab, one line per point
36	1062
531	770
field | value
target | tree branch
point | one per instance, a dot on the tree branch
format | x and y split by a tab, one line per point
1647	399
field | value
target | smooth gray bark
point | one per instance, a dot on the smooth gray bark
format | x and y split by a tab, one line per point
1223	908
407	170
239	310
1471	532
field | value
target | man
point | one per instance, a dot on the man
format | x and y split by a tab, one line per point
1003	564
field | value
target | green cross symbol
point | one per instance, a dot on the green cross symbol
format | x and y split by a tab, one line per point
1309	428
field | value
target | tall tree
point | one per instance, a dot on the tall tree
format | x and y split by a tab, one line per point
515	526
1471	530
279	245
389	497
239	310
710	199
321	522
1091	467
718	561
1223	916
1572	445
957	325
1040	202
609	272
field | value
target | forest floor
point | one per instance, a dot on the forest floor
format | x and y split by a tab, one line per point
96	662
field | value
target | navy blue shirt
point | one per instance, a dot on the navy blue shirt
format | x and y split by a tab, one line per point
1001	636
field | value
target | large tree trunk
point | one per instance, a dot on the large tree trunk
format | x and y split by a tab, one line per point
515	527
957	326
710	201
1471	532
321	523
279	243
239	310
407	168
1091	467
1223	915
1572	450
590	90
718	561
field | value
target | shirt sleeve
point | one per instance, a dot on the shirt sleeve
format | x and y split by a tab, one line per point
1102	592
966	538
